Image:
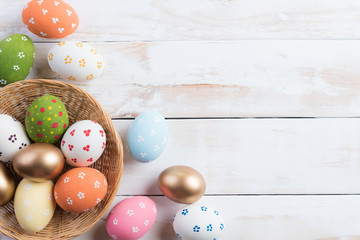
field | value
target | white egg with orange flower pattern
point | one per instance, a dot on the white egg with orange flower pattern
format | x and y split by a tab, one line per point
83	143
75	61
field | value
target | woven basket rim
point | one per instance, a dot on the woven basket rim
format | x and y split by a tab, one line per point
48	83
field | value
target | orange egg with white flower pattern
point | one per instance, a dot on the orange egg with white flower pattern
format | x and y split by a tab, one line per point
80	189
50	18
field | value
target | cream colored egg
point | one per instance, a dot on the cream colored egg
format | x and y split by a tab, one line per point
34	204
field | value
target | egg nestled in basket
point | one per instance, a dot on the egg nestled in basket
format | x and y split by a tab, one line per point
83	143
7	186
80	189
46	119
13	137
39	162
90	192
34	204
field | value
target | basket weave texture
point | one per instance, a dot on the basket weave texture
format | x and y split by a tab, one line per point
14	100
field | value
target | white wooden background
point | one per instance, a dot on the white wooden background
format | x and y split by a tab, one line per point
262	97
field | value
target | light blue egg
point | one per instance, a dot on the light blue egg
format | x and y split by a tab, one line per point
147	137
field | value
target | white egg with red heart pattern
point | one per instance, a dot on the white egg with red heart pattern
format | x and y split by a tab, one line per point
83	143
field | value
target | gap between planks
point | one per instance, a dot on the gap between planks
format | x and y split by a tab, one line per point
220	79
238	118
202	20
277	218
254	195
186	41
255	156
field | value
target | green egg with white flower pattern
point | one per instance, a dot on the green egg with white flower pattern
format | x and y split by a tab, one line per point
46	119
17	55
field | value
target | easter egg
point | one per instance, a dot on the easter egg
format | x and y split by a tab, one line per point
39	162
197	221
46	119
13	137
131	218
75	61
147	136
17	55
7	186
182	184
83	143
80	189
34	204
50	18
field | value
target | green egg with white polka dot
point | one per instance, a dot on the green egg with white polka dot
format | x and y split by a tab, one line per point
46	119
17	55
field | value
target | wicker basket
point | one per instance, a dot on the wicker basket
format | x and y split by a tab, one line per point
14	100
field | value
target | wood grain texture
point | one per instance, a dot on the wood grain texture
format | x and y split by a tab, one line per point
261	217
225	79
264	217
232	58
201	20
254	156
251	156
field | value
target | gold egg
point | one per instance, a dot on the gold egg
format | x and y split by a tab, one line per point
7	185
182	184
39	162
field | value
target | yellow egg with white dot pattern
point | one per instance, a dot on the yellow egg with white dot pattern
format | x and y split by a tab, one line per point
34	204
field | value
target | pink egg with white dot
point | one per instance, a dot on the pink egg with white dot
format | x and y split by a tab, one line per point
131	218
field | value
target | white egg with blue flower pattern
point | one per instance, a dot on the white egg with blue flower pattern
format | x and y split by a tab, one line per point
147	136
198	221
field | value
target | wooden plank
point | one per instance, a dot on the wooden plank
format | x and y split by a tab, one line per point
129	20
254	156
209	79
254	217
